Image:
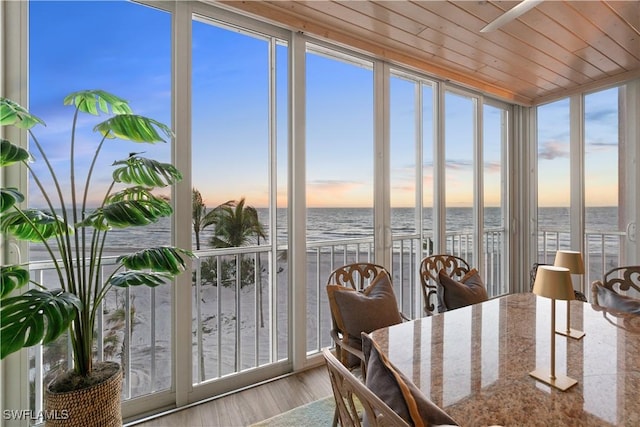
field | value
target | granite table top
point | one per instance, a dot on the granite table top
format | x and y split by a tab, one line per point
475	362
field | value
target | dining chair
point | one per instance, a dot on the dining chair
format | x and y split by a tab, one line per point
398	392
611	292
361	299
358	277
351	394
430	267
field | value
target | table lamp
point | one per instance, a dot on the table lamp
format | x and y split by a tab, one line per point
555	283
573	261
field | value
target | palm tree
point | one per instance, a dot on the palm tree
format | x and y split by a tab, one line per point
198	215
235	224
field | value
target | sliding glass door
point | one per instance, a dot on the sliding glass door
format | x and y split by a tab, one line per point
239	140
476	139
587	184
134	325
460	140
339	175
493	171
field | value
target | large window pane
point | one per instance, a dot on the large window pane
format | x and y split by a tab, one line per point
403	140
493	174
411	172
427	167
602	171
339	175
235	135
554	194
71	49
460	119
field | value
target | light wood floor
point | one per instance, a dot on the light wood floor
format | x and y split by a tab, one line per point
252	405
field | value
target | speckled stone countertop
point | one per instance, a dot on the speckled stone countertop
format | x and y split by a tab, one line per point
475	361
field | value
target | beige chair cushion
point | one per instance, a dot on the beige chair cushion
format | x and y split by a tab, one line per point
469	290
356	312
607	298
398	392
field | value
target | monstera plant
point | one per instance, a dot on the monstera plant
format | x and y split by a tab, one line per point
74	233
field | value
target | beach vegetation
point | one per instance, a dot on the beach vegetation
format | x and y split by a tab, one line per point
234	224
198	215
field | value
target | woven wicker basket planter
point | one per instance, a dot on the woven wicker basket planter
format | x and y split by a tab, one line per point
95	406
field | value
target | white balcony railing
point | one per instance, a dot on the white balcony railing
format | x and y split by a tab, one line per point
603	251
240	313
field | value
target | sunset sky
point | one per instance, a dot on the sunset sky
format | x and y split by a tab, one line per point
130	56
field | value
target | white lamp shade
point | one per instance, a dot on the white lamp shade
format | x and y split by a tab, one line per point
553	282
571	260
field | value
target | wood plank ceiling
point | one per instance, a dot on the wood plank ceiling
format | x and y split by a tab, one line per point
556	48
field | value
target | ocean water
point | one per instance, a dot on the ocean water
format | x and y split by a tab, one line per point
346	223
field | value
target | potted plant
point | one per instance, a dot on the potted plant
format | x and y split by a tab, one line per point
73	235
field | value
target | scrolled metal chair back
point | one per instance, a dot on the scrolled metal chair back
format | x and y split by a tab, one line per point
357	275
619	280
430	267
623	278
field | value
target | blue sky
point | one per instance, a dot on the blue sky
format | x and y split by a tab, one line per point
125	48
601	151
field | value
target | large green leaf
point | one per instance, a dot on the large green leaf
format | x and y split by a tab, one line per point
34	317
12	113
165	258
33	225
138	278
11	153
128	213
9	197
137	192
133	127
143	171
89	101
12	277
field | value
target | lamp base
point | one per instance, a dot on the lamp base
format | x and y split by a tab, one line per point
561	382
571	333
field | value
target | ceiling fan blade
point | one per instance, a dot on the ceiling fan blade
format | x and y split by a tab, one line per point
511	14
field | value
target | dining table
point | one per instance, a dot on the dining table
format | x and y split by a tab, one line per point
475	362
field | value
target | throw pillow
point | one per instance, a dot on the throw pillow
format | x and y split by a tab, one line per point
356	312
470	290
605	297
399	392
